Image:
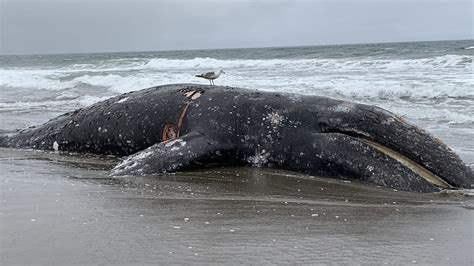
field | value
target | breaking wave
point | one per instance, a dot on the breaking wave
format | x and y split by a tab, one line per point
442	76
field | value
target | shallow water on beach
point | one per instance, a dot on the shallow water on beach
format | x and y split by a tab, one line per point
64	209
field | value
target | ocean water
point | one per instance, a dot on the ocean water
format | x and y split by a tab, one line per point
63	208
428	83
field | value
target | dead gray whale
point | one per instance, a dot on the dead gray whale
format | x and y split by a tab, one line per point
185	126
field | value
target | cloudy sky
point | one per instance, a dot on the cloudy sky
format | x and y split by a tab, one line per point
63	26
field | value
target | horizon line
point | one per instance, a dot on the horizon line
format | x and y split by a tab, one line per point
228	48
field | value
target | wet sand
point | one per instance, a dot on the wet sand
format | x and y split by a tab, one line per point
65	209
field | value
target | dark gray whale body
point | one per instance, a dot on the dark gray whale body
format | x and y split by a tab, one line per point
178	127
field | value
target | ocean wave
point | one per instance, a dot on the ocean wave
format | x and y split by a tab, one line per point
206	63
435	114
36	79
117	83
442	76
398	90
49	105
127	64
212	63
34	106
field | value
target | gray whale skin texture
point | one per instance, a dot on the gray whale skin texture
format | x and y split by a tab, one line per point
187	126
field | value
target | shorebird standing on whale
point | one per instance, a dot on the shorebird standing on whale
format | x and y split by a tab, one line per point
211	76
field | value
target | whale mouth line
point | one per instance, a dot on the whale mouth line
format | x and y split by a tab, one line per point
415	167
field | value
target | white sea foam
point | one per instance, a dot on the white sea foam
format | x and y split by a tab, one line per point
449	75
35	106
50	105
207	62
434	113
35	79
211	63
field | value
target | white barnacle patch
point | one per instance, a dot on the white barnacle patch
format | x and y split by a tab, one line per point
142	155
127	165
344	107
175	148
275	119
388	121
214	108
259	159
132	162
122	100
55	146
100	129
176	144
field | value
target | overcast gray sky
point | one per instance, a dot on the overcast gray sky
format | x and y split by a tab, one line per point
54	26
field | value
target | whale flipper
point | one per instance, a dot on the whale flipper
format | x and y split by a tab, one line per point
187	152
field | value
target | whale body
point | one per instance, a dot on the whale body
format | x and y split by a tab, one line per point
186	126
